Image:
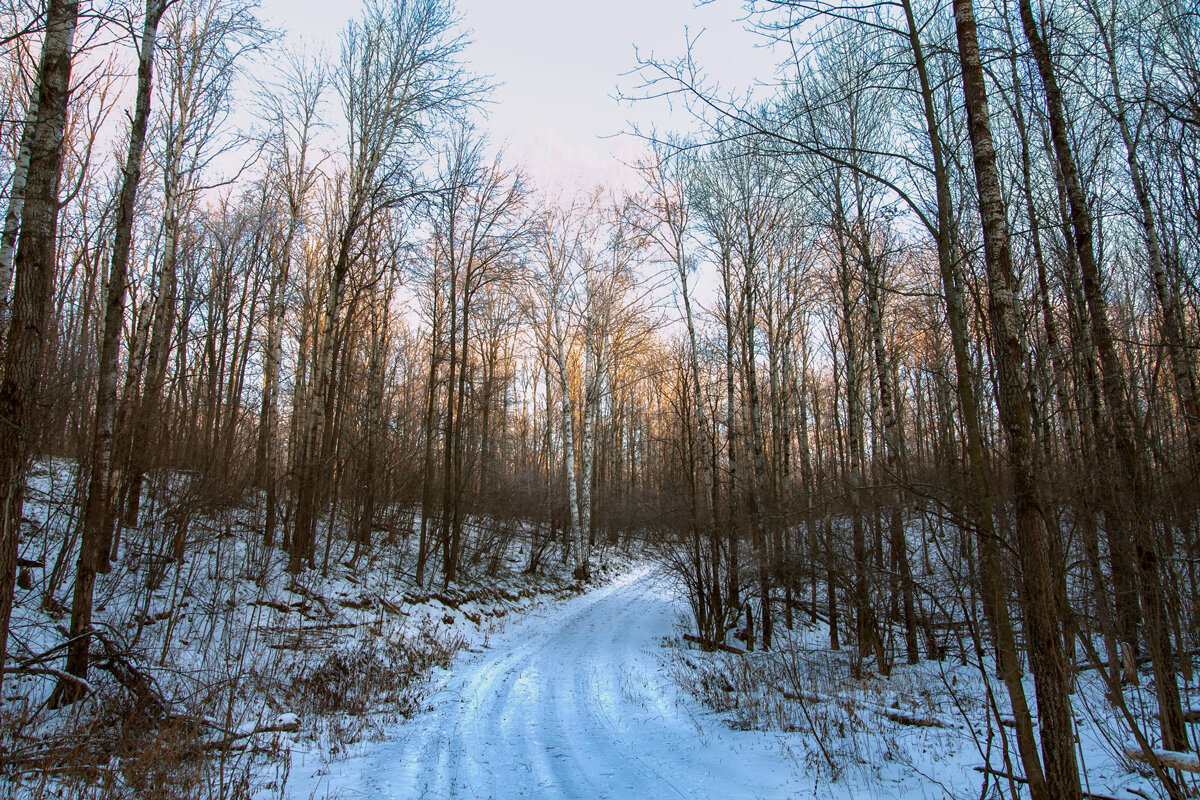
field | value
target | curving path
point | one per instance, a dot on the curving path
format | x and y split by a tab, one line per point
569	702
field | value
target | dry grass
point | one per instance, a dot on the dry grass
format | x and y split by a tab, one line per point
840	727
352	691
114	747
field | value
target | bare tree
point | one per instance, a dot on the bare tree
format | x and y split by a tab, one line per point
202	49
561	244
294	106
34	269
1047	660
98	516
482	228
399	77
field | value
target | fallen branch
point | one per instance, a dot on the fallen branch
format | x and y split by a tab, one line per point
390	607
326	626
141	685
908	719
1009	777
296	588
710	646
1141	661
1172	759
275	604
282	726
45	761
88	689
29	662
804	697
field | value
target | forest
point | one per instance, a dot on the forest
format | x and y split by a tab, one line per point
886	366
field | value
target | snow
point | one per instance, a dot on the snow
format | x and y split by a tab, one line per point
343	684
265	662
588	698
1172	759
572	701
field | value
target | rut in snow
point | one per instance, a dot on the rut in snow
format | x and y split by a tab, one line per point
569	703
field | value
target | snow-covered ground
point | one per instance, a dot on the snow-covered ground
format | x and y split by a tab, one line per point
344	684
244	663
571	701
590	698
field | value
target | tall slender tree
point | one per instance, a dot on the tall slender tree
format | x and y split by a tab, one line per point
34	270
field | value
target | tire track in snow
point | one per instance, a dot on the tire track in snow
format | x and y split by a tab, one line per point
570	702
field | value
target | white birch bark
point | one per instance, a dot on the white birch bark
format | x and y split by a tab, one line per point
16	202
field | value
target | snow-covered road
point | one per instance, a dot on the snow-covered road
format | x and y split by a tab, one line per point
571	701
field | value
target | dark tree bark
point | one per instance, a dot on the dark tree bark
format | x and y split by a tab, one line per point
1116	395
34	268
1052	678
95	547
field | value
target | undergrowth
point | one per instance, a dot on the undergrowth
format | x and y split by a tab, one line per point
351	692
843	729
208	673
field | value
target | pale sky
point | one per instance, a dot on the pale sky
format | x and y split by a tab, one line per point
557	64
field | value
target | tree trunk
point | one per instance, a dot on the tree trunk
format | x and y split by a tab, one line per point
95	546
33	285
147	425
891	439
312	435
995	602
430	432
568	429
1116	397
16	202
1052	679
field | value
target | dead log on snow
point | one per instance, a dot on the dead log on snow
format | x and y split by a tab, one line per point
1171	759
908	719
710	646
